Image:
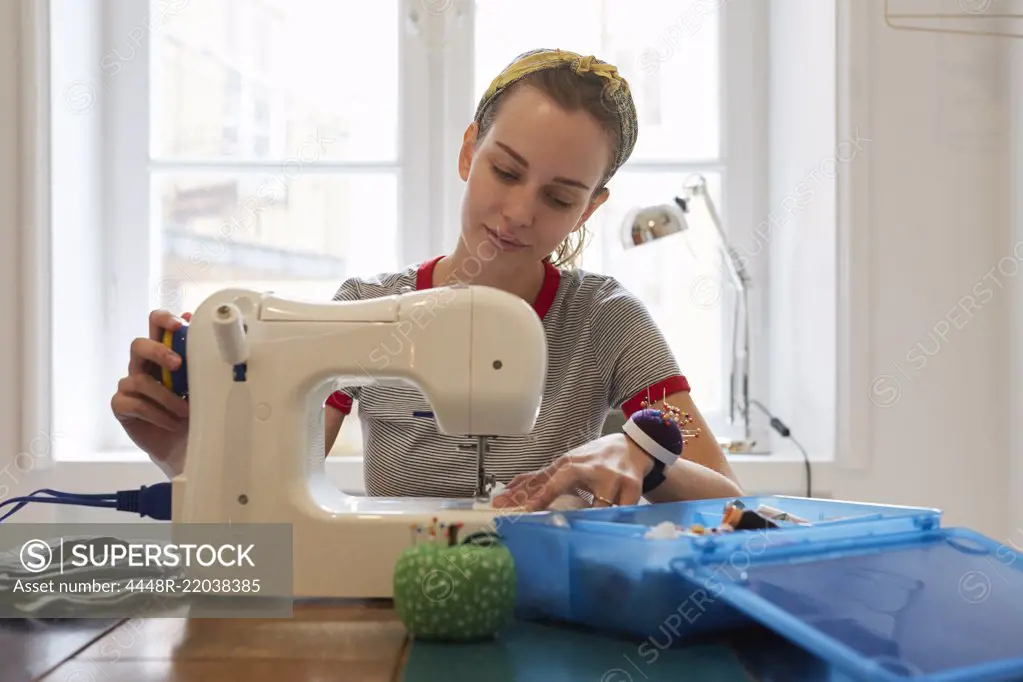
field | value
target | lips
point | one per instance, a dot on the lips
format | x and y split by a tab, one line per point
503	243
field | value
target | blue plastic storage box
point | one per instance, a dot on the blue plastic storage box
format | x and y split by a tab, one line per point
593	567
880	593
938	605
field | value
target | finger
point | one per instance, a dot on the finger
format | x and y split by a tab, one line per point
533	480
144	386
519	480
630	491
606	493
516	495
564	480
187	317
506	499
126	407
159	320
542	479
515	485
528	485
146	353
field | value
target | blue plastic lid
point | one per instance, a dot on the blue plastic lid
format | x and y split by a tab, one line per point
944	604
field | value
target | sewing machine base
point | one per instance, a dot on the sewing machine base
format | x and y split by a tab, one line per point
345	546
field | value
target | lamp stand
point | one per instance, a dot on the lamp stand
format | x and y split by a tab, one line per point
740	374
738	387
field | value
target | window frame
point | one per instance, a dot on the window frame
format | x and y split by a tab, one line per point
434	48
745	51
130	280
742	164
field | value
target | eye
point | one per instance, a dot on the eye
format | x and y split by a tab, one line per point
501	173
558	202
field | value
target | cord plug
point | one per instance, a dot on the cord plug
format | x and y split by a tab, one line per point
153	501
780	427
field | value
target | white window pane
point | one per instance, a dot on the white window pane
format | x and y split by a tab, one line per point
506	29
666	49
254	78
298	236
683	287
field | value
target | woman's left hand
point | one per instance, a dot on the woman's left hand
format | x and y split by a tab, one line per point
612	468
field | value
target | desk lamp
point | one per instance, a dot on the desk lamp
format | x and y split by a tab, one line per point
649	224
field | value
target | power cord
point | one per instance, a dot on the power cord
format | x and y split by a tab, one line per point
153	501
786	432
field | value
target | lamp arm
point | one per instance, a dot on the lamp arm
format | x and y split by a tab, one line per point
740	279
745	362
736	268
740	365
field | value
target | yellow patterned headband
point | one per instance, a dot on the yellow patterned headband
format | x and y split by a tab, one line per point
616	94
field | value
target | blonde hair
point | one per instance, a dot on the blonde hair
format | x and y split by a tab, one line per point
573	83
567	254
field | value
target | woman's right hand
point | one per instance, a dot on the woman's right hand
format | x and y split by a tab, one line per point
154	417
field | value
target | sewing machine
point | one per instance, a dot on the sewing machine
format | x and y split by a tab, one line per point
259	369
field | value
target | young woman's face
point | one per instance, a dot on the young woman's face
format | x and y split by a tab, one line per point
530	182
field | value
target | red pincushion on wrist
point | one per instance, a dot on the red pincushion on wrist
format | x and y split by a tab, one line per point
661	429
660	433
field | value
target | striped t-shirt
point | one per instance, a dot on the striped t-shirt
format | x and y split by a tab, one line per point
604	352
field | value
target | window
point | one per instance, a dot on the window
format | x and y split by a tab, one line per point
282	200
672	55
285	145
273	162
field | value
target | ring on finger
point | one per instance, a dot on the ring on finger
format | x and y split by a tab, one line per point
603	499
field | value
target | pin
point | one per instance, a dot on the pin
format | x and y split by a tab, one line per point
671	414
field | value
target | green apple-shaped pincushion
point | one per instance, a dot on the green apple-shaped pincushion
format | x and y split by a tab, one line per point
451	591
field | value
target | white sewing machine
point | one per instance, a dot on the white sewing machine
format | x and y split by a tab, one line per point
259	369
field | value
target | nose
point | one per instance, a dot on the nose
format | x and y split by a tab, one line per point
519	207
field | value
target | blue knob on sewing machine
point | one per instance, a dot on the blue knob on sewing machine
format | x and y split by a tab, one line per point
177	380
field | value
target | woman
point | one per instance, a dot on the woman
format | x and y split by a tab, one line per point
550	132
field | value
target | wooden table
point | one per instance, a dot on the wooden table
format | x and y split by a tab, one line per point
358	640
339	640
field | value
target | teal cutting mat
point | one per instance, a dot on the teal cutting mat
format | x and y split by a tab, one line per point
532	651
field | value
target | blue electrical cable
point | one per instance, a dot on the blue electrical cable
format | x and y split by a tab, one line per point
153	501
23	501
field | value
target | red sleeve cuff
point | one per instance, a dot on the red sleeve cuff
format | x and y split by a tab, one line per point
655	392
340	401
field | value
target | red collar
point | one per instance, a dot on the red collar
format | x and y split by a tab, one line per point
551	279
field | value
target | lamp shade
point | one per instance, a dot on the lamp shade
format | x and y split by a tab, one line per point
652	223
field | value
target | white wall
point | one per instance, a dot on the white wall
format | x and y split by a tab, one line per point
927	200
935	209
799	225
10	410
1015	375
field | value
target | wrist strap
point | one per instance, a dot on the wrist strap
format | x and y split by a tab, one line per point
652	447
655	477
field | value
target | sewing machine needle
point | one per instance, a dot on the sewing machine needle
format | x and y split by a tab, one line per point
482	494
